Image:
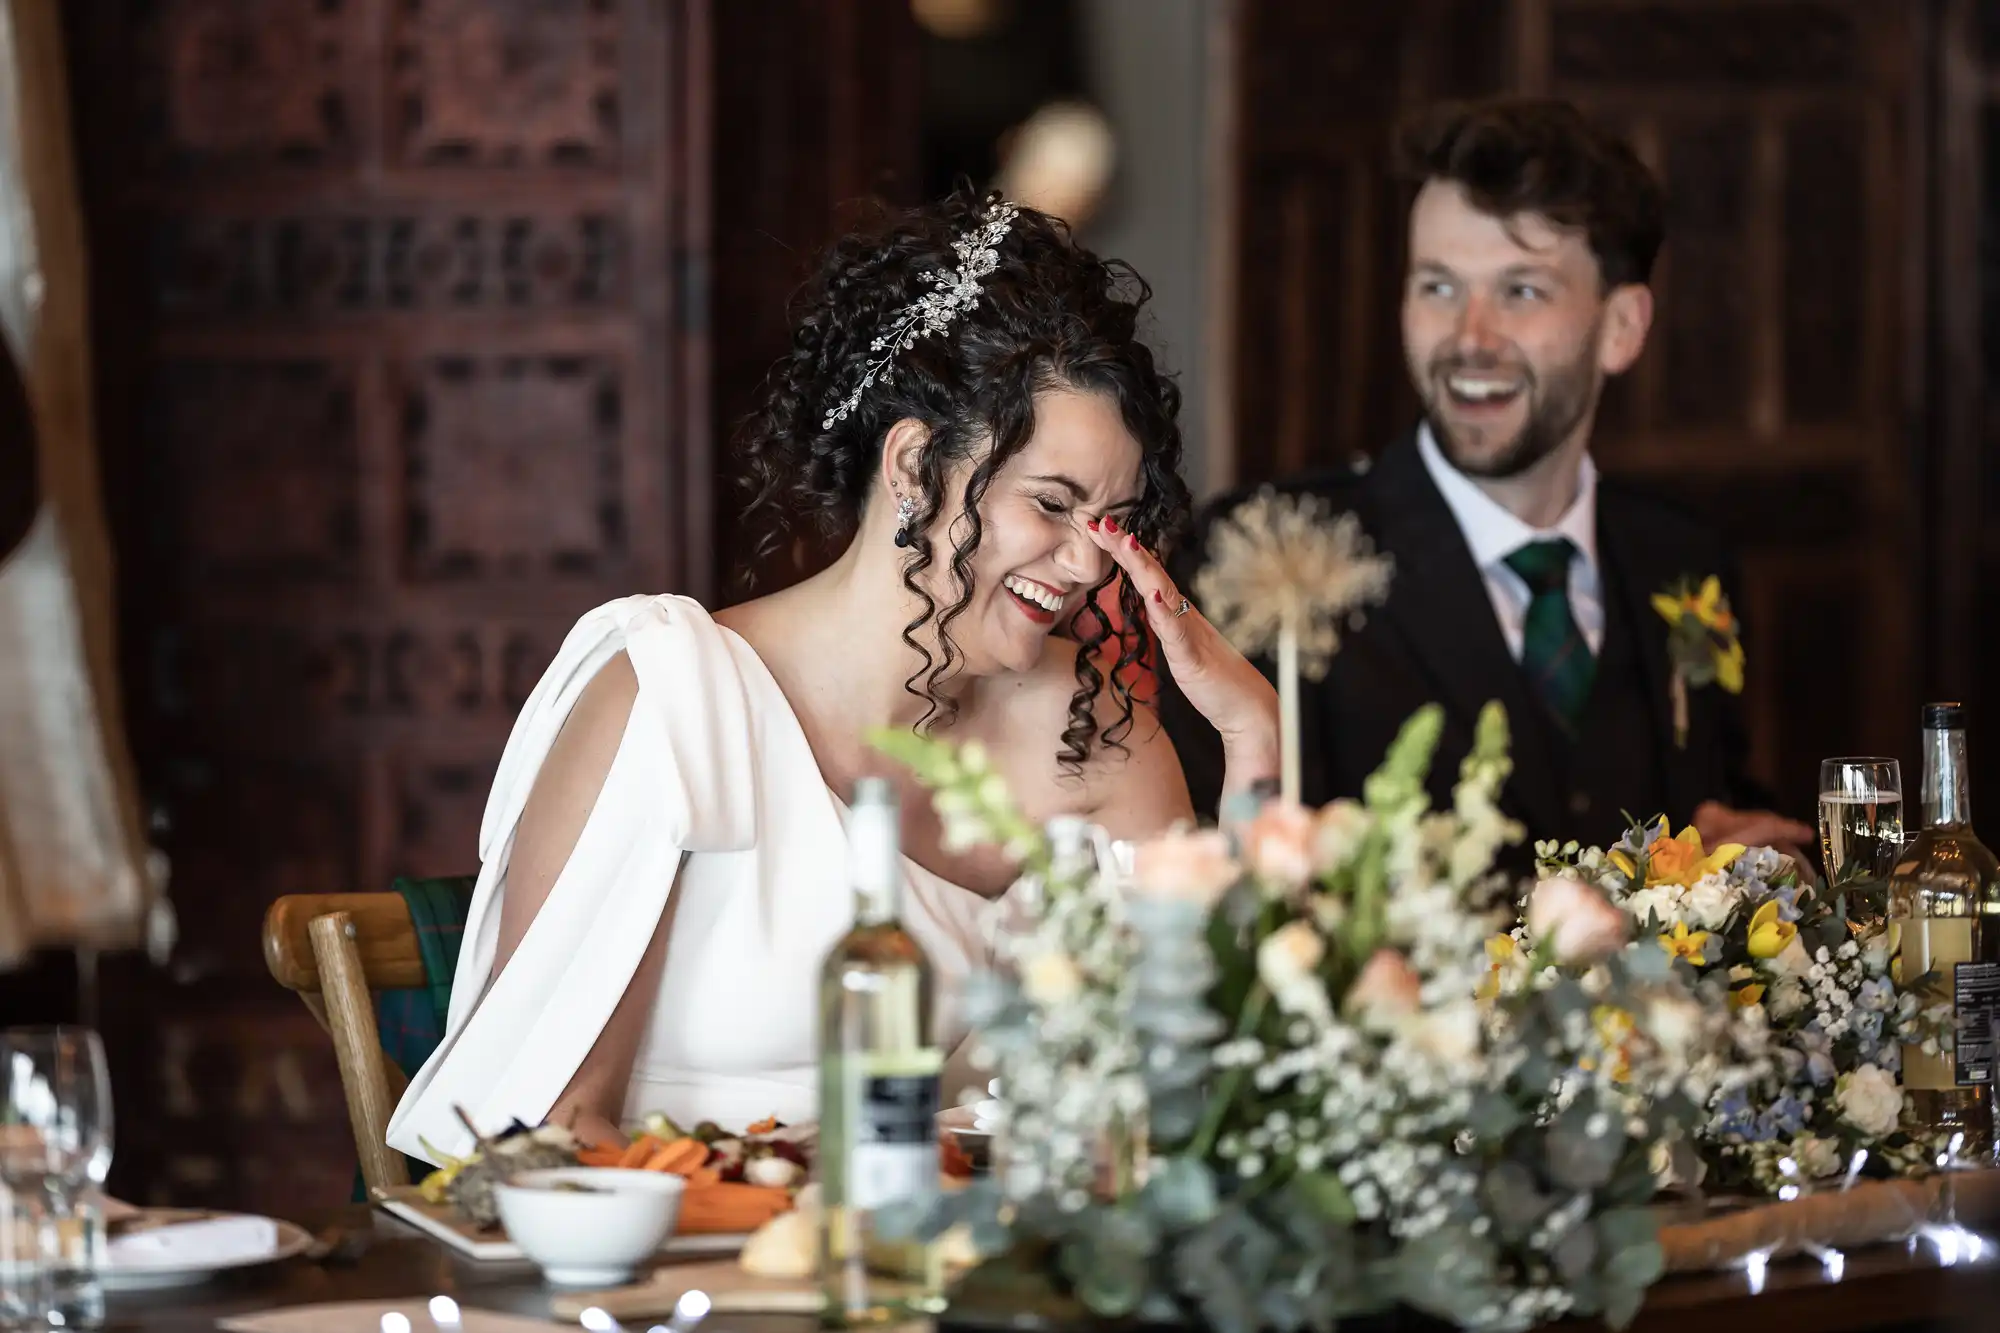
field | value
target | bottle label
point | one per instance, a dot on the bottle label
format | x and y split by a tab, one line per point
893	1103
1975	994
1927	945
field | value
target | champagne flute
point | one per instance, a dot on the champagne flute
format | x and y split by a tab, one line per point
55	1150
1861	830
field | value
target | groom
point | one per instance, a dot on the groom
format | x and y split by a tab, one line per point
1520	574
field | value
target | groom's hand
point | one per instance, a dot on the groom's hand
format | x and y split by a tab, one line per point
1718	823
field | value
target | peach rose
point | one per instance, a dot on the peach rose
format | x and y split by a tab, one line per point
1184	866
1278	845
1578	920
1388	989
1287	963
1671	861
1450	1034
1051	978
1337	834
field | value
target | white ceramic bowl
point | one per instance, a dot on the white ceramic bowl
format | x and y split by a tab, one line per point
595	1238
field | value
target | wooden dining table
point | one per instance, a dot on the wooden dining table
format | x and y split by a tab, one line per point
372	1257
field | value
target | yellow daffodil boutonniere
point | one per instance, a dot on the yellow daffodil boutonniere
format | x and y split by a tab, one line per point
1701	644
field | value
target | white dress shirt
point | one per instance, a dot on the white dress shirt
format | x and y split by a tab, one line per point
1493	534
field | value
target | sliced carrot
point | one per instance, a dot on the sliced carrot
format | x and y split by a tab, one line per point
702	1177
727	1208
607	1155
641	1148
680	1157
768	1125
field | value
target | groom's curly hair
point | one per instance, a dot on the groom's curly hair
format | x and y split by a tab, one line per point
1544	157
1052	315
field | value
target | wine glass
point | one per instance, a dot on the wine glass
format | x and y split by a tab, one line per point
55	1150
1861	830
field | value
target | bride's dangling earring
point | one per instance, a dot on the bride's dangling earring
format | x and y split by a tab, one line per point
906	509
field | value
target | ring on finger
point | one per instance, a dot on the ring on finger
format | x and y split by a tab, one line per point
1183	608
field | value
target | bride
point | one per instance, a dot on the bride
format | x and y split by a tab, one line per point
663	863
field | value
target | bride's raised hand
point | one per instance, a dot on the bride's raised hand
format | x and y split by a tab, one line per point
1218	682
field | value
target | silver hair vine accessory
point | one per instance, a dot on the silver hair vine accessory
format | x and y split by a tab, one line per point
932	313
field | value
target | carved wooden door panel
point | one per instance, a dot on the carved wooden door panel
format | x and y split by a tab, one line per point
1771	396
394	296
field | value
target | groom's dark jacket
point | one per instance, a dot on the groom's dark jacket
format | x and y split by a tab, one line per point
1436	639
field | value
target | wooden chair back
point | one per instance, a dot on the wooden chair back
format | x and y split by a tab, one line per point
335	950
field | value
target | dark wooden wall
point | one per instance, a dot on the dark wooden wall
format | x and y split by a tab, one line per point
1777	392
1959	397
816	120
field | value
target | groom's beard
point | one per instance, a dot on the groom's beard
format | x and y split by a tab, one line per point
1555	405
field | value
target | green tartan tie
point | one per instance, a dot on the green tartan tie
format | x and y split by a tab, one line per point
1553	650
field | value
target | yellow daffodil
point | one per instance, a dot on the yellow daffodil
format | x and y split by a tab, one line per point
1702	641
1729	667
1745	996
1705	606
1614	1025
1680	859
1684	943
1769	935
1614	1029
1500	951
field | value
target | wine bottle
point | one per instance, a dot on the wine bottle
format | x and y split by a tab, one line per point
879	1086
1944	915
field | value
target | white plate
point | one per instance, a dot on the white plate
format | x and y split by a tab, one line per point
291	1240
501	1250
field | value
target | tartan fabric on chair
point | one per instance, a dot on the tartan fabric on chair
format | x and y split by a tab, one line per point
412	1022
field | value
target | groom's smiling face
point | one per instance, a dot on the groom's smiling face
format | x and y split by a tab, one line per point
1509	332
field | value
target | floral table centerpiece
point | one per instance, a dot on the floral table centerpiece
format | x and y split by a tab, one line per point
1337	1124
1819	1015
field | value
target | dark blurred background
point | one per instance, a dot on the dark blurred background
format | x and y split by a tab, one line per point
420	327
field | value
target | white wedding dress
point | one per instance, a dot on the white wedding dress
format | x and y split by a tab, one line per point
714	794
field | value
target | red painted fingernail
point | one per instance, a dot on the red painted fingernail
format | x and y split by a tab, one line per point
1134	541
1111	525
1092	525
1161	600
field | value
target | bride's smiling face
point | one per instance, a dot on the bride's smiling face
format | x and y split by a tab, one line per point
1035	564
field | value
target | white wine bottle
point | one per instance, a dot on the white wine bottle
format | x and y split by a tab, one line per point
879	1088
1944	912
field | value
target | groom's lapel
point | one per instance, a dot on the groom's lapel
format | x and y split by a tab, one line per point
1638	558
1439	604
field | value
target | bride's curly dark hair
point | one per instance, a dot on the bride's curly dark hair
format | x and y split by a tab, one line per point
1052	315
